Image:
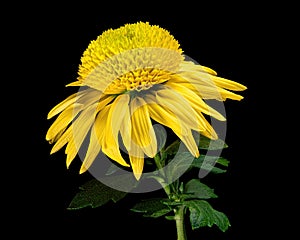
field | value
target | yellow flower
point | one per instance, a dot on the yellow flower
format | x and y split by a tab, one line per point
128	78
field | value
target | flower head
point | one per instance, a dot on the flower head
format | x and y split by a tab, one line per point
130	77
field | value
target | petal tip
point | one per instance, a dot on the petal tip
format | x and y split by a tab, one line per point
82	170
137	176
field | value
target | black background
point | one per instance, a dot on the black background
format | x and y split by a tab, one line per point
52	39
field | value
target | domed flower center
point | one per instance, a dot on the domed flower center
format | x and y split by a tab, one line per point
132	57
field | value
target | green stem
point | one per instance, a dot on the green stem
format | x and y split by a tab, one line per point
179	218
178	211
162	173
158	164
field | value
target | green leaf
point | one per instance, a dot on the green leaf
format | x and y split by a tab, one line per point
204	143
172	148
221	220
178	165
208	163
152	207
171	218
223	161
202	214
195	189
209	144
94	194
183	161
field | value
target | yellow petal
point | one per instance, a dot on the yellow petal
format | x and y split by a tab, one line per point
110	144
195	101
63	121
208	129
205	128
208	70
228	84
164	117
106	99
71	152
161	115
95	139
65	137
62	105
116	115
80	128
227	94
92	151
203	91
57	136
85	97
190	66
208	85
179	106
198	78
199	82
74	84
126	129
100	122
136	157
89	96
190	143
142	130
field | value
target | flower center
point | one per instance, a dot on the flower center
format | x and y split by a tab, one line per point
132	57
138	80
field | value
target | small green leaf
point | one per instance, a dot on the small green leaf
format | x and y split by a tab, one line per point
183	161
178	165
94	194
210	168
223	161
221	220
181	187
171	218
149	161
172	148
152	207
202	214
158	213
209	144
195	189
208	163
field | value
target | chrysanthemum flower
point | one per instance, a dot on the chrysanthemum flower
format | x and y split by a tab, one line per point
130	77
